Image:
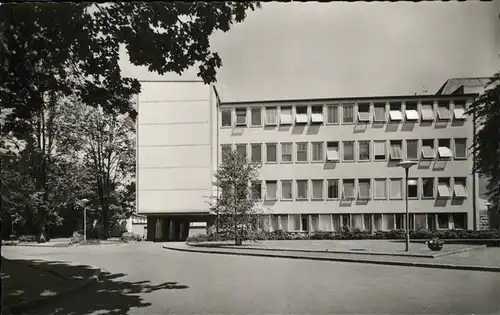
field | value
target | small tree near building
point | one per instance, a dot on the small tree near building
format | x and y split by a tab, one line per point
236	206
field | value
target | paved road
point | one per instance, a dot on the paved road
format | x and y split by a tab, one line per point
146	279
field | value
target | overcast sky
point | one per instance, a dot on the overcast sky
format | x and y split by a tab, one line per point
307	50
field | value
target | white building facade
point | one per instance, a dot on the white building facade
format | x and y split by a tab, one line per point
325	163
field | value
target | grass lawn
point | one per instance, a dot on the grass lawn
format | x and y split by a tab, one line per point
22	282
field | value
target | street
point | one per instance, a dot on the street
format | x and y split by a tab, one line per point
146	279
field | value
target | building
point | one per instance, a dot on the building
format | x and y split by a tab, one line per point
326	163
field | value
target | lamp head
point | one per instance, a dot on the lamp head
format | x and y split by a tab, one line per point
407	164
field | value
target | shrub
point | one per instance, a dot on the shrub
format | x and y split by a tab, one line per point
27	238
77	238
322	235
128	237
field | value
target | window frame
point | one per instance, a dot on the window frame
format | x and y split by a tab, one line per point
441	106
334	180
448	184
427	108
241	110
304	145
455	156
241	145
289	145
349	181
393	142
422	184
364	181
322	189
285	123
462	181
282	182
353	151
336	110
459	111
352	107
401	185
369	151
374	150
322	154
266	122
338	151
407	141
301	115
315	119
364	116
252	145
416	181
384	107
446	149
379	180
266	182
413	111
275	152
424	157
297	192
396	115
253	110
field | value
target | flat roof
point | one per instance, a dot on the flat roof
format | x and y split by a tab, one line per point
363	98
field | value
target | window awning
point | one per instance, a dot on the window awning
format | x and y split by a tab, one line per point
317	118
301	118
332	155
363	116
459	190
396	153
445	152
444	113
412	182
459	113
411	115
379	148
428	152
364	191
348	191
396	115
427	114
443	191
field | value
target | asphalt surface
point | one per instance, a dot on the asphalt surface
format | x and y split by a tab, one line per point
146	279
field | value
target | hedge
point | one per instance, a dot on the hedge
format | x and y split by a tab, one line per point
355	234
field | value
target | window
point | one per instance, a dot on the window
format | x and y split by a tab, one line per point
459	110
225	150
411	111
271	113
348	191
305	223
241	116
325	222
256	152
317	188
301	189
459	220
396	191
460	148
379	150
460	187
388	222
333	188
380	188
367	218
295	220
379	109
347	114
364	189
377	222
332	114
444	188
301	115
346	220
332	151
364	112
256	190
271	156
428	187
364	150
395	112
286	116
315	222
317	151
317	114
443	220
444	110
301	152
400	221
427	111
444	148
357	221
286	189
412	149
396	150
420	221
286	152
256	116
283	222
271	189
428	149
348	150
241	149
412	188
227	118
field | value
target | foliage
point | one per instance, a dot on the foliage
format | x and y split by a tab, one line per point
27	239
73	48
486	108
77	238
128	237
236	208
420	234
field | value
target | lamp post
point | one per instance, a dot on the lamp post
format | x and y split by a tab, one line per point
83	202
407	165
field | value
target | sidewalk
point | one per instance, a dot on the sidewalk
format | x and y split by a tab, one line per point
486	259
28	284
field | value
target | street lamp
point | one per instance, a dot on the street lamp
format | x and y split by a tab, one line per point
83	202
407	165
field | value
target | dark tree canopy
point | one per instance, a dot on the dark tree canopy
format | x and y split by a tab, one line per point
73	48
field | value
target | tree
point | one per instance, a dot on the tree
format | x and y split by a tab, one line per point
486	109
236	206
73	48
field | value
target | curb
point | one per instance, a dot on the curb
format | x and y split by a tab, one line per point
345	252
362	261
38	302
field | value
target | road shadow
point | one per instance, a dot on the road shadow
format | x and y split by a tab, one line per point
110	294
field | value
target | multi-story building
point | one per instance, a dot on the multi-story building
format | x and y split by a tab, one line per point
325	163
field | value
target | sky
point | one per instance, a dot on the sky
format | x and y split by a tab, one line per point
315	50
